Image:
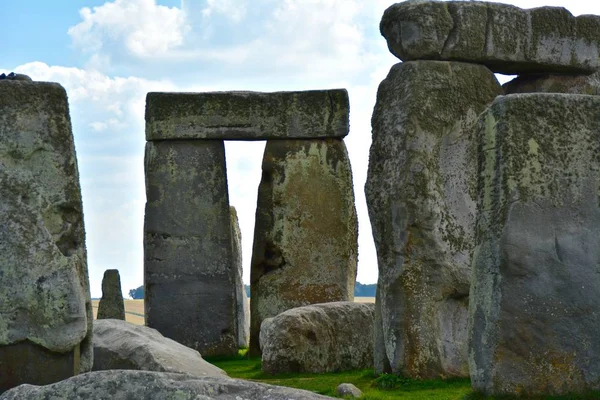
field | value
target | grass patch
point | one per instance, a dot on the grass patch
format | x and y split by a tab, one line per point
373	387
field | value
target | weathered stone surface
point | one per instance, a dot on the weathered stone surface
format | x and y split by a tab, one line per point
420	193
326	337
45	306
348	390
122	385
111	304
534	314
305	235
505	38
242	304
572	84
122	345
247	115
189	270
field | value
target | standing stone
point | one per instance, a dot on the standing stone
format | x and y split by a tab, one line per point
242	303
505	38
534	312
190	293
572	84
45	306
305	237
111	304
420	193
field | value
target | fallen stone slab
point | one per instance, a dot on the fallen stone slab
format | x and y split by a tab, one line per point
319	338
126	385
305	236
122	345
111	305
572	84
45	305
505	38
247	115
421	192
534	314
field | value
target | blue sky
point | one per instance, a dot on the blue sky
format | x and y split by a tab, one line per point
109	54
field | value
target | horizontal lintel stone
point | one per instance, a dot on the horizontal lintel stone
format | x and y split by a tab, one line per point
247	115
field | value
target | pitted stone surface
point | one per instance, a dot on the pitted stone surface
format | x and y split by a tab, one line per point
188	266
45	306
319	338
122	345
305	235
111	305
125	385
505	38
242	304
420	193
534	314
247	115
572	84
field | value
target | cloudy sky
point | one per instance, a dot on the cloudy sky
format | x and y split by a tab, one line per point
109	54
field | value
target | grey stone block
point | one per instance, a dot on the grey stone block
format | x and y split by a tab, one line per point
534	314
111	305
247	115
421	192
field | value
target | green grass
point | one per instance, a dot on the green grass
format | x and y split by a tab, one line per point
399	388
372	386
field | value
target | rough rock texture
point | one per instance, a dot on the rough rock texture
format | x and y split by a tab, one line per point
420	193
305	235
505	38
534	314
190	293
242	303
122	345
45	306
573	84
126	385
247	115
111	304
348	390
326	337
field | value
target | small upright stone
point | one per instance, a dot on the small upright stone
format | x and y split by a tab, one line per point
305	235
111	304
534	310
45	306
420	192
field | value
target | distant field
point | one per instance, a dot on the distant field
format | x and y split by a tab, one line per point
134	309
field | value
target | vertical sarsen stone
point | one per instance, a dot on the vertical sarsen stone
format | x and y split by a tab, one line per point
45	307
188	267
305	237
420	194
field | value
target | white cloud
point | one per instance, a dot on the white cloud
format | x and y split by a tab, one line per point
142	27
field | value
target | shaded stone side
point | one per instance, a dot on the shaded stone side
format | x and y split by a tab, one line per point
319	338
188	267
420	194
45	306
572	84
305	235
505	38
242	303
534	314
307	114
111	305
